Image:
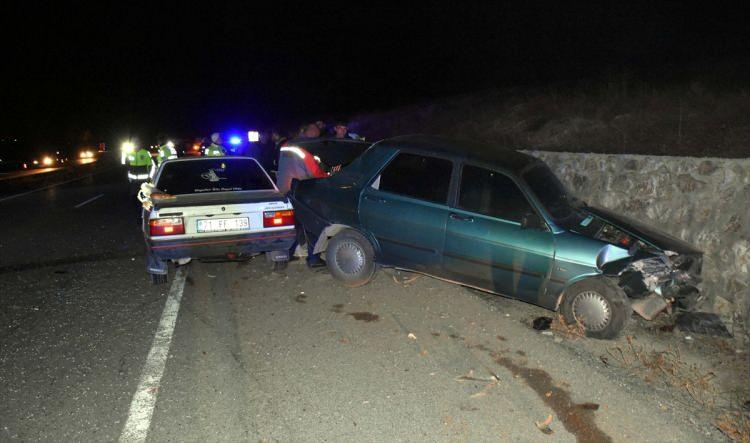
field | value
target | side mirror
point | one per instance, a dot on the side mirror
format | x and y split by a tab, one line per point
531	220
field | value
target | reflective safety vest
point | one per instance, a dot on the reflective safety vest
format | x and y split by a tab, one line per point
214	150
166	152
140	157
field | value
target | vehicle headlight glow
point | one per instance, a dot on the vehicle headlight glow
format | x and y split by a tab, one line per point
253	136
128	147
47	161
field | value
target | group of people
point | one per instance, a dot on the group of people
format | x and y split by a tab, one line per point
319	129
266	150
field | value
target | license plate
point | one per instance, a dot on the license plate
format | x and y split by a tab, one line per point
223	224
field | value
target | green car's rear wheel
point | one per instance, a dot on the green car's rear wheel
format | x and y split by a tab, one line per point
351	258
599	305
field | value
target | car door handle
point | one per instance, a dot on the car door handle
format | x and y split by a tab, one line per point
375	199
455	216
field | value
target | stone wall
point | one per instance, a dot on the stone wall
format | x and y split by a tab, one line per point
704	201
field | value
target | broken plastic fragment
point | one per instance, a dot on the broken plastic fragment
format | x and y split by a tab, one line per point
542	323
544	425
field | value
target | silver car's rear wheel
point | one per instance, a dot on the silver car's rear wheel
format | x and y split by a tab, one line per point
599	305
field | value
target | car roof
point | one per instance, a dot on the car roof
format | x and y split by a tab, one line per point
323	141
464	149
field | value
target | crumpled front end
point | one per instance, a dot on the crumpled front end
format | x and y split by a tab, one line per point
655	282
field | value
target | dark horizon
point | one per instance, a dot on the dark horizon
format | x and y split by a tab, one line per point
120	72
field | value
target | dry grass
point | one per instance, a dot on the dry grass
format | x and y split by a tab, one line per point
735	425
668	366
569	331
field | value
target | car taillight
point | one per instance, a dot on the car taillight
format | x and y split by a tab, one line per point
274	219
166	226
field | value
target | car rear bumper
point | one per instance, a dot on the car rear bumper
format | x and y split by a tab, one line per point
221	246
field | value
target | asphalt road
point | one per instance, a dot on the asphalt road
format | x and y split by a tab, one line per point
90	351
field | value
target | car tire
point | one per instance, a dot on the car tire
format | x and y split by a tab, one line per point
351	258
159	279
599	305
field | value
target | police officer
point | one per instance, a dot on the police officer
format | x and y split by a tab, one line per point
139	162
166	152
215	149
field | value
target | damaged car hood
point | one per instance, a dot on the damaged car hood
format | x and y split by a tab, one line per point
645	233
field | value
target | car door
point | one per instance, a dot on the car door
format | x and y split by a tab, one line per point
405	208
485	243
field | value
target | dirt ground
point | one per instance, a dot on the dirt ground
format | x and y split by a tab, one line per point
409	357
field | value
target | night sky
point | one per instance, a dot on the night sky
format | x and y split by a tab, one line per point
124	70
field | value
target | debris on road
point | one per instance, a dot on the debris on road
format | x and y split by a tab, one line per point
469	376
589	406
412	336
542	323
366	317
705	323
404	278
544	425
569	331
649	307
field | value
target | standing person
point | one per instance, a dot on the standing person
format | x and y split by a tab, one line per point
278	140
215	149
139	163
166	151
297	162
265	151
340	130
311	131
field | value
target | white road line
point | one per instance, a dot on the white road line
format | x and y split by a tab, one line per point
144	399
88	201
47	187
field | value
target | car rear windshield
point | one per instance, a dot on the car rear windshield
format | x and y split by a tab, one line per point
213	175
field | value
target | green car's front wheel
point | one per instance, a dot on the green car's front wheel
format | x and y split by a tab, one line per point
351	258
599	305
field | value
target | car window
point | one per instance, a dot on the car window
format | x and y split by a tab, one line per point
417	176
212	175
491	193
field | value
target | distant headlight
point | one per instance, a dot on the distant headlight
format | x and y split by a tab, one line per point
47	161
128	147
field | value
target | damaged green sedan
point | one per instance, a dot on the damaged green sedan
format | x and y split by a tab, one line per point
496	220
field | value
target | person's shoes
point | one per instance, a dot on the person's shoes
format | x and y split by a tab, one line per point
315	262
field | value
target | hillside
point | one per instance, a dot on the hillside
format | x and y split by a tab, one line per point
691	118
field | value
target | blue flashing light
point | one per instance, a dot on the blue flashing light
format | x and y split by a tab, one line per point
235	140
